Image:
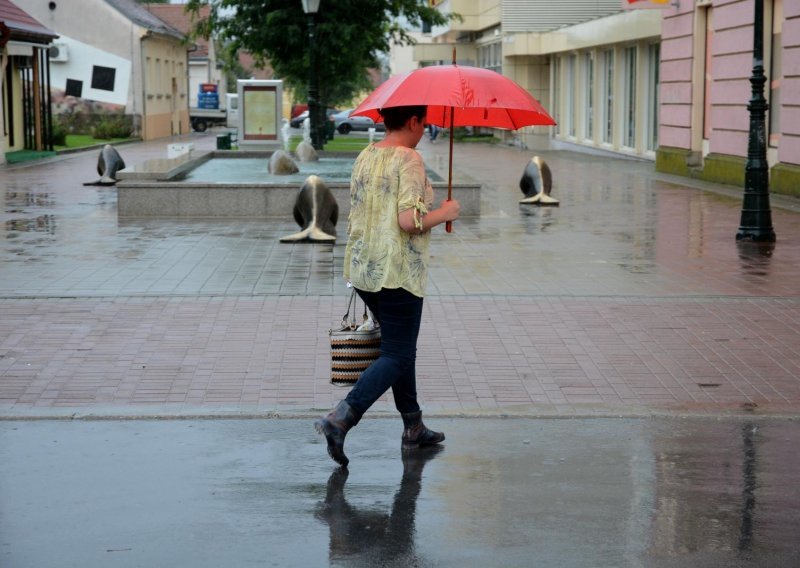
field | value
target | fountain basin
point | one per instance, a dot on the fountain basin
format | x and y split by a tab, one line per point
199	187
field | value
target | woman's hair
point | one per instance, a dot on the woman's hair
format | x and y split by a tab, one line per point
395	117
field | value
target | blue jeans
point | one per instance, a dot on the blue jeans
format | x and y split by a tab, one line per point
399	312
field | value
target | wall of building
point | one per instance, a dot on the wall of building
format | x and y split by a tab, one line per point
474	15
150	71
99	26
604	82
3	111
789	119
78	72
15	90
205	71
543	15
166	98
707	61
198	74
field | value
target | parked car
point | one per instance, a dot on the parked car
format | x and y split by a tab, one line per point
297	121
345	123
298	108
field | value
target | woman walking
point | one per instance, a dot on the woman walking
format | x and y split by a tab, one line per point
386	259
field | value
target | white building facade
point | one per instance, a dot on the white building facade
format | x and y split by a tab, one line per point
592	65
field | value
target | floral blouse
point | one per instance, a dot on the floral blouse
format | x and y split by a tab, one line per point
379	254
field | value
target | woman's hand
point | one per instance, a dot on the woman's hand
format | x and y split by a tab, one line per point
449	210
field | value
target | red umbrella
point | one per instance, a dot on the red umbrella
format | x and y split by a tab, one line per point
458	95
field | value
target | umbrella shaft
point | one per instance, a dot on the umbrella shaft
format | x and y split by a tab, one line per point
449	225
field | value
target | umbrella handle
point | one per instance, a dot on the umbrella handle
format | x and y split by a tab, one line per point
449	225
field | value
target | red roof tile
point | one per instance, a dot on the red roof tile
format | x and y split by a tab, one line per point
23	25
176	16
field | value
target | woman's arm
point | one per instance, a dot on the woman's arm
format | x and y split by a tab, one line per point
410	220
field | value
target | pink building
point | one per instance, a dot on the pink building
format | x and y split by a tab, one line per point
706	63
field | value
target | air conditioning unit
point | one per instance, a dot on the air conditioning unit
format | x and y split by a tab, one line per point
59	52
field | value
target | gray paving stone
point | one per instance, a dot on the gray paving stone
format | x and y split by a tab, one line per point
630	297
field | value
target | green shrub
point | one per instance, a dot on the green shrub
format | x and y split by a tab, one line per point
75	121
113	126
58	137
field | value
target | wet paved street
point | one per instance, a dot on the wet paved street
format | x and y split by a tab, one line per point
647	367
630	298
511	493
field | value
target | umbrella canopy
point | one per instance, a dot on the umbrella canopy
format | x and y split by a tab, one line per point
458	95
476	96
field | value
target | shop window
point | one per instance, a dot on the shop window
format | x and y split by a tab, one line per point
608	95
630	97
556	82
653	63
571	89
588	106
776	74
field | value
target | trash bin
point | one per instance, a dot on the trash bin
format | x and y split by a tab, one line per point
224	141
330	128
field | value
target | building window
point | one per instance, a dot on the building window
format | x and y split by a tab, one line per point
148	75
709	73
490	57
103	78
74	88
570	102
653	63
776	74
588	106
608	96
630	97
556	82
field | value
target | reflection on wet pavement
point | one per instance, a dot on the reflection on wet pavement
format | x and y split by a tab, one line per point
617	231
657	493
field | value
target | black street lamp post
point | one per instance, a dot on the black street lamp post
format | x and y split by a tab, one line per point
311	7
756	221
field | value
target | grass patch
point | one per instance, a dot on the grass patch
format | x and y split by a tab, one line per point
338	144
84	140
345	144
486	139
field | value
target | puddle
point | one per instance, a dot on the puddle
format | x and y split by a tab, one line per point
21	199
42	223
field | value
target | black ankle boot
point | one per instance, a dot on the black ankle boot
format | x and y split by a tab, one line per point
334	427
416	433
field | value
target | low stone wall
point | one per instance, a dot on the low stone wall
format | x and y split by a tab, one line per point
724	169
169	199
154	190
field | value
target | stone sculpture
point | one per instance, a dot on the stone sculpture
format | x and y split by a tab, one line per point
108	164
305	152
282	164
316	211
537	183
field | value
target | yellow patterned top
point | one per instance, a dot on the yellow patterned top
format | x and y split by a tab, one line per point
379	254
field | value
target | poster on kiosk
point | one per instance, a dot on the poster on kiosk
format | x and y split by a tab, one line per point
260	114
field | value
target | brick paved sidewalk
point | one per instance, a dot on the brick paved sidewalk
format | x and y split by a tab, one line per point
498	354
629	298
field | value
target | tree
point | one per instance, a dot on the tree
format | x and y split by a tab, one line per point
350	34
